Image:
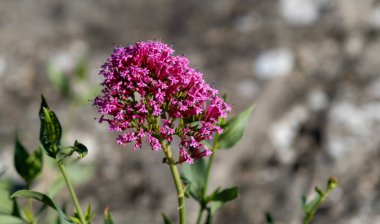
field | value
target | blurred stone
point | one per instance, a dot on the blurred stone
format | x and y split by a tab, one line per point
274	63
353	128
354	45
317	100
246	24
248	88
299	12
22	79
3	66
284	131
374	17
353	13
374	89
66	60
369	64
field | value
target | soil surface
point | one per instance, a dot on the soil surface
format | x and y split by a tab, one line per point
310	66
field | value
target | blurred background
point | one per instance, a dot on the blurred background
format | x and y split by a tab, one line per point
310	66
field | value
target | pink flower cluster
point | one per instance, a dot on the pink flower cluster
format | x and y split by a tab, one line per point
150	94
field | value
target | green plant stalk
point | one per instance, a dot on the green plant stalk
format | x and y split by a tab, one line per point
72	193
208	171
309	216
177	182
200	214
29	209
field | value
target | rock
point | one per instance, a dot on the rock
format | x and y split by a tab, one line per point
274	63
353	128
284	132
354	14
3	66
248	88
246	24
67	59
374	17
299	12
374	89
317	100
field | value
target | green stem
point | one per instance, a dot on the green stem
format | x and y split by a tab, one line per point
208	171
310	215
177	182
72	193
200	214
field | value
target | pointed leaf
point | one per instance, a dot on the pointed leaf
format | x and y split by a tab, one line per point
51	130
107	216
8	219
75	220
226	195
269	218
68	151
45	200
27	166
303	203
6	204
222	197
89	214
319	191
234	129
195	174
166	219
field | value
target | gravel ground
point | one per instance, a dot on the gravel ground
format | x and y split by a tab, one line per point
310	66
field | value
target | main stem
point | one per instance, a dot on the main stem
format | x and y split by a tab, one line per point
310	215
72	193
177	182
208	171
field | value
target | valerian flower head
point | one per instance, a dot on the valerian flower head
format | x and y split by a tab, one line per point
152	95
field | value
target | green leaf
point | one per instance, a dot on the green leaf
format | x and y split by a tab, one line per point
269	218
81	69
57	77
6	204
166	219
75	220
225	195
45	200
221	197
234	129
310	208
209	216
68	151
29	217
89	214
8	219
319	191
195	174
107	216
303	203
27	166
51	130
